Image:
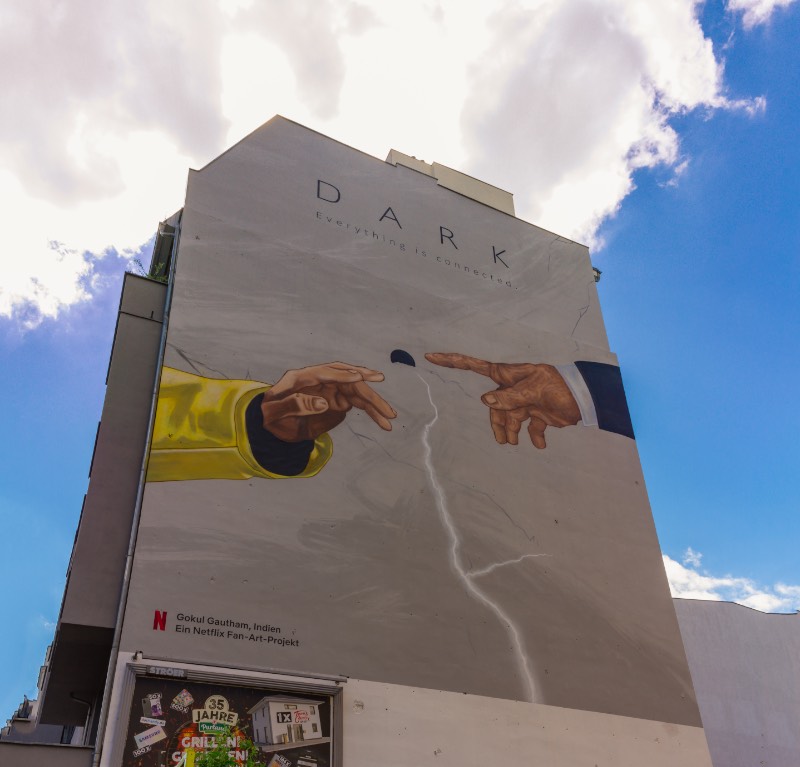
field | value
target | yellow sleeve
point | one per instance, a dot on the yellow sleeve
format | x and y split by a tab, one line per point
200	433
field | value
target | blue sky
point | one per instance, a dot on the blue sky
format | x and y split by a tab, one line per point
700	299
666	138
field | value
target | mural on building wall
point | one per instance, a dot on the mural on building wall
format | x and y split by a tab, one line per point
546	395
222	429
476	521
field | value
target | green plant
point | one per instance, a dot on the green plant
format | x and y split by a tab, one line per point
157	273
221	754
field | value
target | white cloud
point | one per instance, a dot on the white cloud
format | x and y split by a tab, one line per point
687	581
50	251
105	105
582	92
692	558
756	12
559	101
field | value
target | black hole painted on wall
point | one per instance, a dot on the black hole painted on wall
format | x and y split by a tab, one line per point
402	356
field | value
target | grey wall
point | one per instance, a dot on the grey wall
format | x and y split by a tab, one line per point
393	725
98	558
40	755
746	670
85	629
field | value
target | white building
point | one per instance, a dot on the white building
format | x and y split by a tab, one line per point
279	719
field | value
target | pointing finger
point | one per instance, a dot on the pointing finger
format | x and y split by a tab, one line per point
460	361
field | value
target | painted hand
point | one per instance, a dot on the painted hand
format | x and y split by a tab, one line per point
525	391
306	403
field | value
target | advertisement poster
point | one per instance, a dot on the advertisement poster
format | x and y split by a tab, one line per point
174	721
392	443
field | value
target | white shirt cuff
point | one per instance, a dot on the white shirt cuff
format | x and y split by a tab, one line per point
574	380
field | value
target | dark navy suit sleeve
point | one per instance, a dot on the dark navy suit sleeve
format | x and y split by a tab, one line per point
605	385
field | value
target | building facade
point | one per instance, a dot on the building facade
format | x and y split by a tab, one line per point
746	673
366	469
